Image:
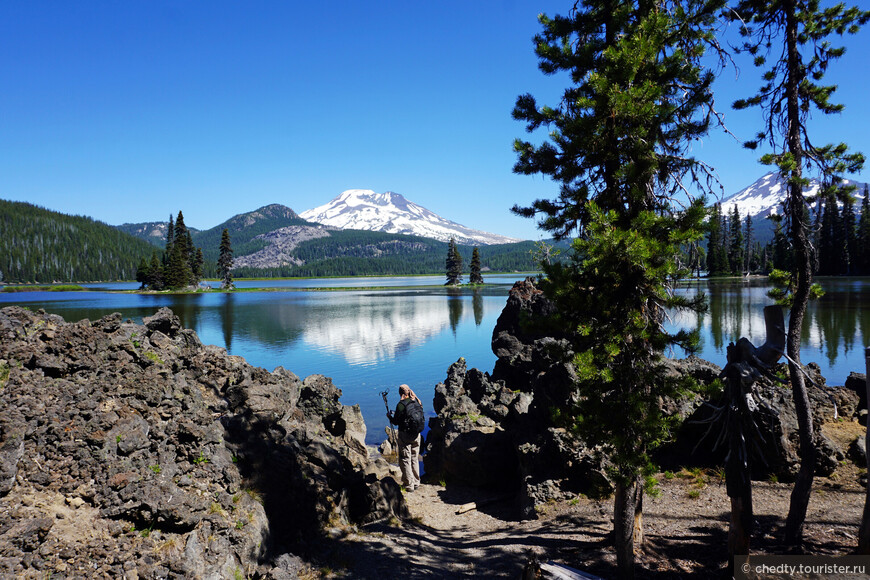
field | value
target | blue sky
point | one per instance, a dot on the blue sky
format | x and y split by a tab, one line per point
131	111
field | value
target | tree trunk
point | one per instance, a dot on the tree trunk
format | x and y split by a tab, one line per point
627	525
740	530
800	496
864	531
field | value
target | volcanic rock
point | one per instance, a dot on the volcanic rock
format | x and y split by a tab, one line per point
134	450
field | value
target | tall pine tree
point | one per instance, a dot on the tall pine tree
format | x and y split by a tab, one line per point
474	276
864	234
735	245
453	264
618	148
849	227
225	261
715	262
790	90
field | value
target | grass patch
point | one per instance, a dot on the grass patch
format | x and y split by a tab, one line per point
4	373
57	288
470	416
216	508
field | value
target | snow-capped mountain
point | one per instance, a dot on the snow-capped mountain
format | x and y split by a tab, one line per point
363	209
765	196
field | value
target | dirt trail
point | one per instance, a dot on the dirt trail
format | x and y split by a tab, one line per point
686	530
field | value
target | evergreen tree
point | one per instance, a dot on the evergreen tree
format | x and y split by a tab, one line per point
618	148
750	263
735	242
178	273
197	265
826	236
155	273
170	240
225	261
790	90
474	276
715	265
453	264
849	228
143	272
863	252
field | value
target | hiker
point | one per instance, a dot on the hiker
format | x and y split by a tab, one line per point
410	419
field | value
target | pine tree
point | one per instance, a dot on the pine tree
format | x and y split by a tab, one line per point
850	235
790	90
863	252
143	272
155	273
735	245
178	273
474	276
618	148
225	261
197	265
715	264
826	239
453	264
750	263
170	240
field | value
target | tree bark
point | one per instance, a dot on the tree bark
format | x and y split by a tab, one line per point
740	530
800	496
864	531
627	525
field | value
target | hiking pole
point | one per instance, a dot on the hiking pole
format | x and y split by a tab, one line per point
393	439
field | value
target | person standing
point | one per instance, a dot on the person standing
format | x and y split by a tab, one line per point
409	417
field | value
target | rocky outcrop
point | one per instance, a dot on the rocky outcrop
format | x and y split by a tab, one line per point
777	449
135	450
280	245
497	430
503	429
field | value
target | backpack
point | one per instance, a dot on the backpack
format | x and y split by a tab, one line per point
413	420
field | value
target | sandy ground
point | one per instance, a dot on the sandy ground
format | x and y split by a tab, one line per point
685	528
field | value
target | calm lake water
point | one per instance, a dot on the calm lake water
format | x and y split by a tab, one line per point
386	331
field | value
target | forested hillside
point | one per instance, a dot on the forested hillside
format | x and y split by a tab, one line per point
358	253
243	228
39	245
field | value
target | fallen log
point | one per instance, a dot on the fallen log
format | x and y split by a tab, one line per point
467	507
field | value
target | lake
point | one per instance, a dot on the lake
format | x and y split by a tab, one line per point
375	333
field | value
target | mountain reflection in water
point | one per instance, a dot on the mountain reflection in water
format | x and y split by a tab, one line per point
373	339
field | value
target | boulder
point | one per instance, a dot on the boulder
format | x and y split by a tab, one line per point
857	383
777	447
497	429
135	450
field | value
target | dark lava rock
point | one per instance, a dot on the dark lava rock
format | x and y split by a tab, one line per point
497	430
135	450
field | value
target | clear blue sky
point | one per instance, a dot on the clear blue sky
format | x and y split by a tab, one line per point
131	111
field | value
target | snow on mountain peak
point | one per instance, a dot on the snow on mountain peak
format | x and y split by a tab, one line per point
390	212
765	196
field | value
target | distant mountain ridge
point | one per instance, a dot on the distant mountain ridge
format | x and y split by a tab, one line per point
765	196
275	241
152	232
390	212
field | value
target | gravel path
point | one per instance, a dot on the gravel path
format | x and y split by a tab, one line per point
685	528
